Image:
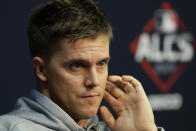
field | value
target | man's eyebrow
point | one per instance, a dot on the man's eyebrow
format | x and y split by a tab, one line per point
107	59
76	61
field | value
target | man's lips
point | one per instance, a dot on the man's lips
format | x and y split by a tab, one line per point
92	96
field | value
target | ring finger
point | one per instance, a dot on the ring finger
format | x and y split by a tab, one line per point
128	87
114	90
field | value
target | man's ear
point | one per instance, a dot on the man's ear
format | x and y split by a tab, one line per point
40	69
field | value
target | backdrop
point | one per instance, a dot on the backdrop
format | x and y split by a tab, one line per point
154	41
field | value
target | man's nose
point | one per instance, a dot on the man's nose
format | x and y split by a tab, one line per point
92	78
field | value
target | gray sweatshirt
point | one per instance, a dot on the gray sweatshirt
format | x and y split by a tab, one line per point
39	113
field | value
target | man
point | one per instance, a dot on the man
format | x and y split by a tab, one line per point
69	42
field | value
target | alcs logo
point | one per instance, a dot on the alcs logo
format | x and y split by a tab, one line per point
164	47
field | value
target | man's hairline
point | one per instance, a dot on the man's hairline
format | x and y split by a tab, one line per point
69	41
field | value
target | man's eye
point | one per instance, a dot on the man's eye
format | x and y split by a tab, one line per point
76	66
102	63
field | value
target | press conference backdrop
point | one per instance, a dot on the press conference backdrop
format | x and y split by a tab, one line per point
154	40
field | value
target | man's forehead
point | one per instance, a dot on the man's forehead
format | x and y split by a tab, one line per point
100	44
101	39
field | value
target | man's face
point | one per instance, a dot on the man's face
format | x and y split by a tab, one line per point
77	75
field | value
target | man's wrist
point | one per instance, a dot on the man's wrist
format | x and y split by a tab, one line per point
149	128
154	128
160	129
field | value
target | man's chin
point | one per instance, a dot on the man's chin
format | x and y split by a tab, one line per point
89	113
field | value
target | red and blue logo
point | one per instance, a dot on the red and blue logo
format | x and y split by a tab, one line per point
164	47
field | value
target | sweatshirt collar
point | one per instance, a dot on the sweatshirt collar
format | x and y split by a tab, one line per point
55	110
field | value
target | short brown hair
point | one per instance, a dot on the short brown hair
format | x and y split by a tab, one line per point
72	19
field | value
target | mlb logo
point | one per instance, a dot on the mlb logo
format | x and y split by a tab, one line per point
166	21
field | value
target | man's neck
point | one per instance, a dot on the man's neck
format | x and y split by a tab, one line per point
82	123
